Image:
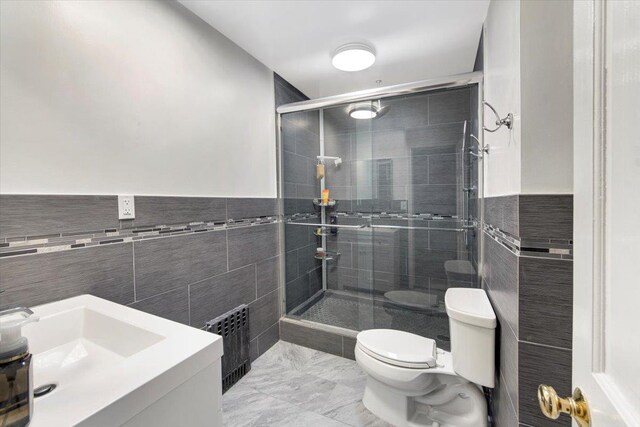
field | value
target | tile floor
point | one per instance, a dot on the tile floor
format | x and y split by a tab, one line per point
295	386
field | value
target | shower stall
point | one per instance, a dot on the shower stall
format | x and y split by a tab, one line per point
399	224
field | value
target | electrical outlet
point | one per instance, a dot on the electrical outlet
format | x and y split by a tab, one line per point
126	207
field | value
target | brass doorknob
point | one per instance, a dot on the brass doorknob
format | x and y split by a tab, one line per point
552	406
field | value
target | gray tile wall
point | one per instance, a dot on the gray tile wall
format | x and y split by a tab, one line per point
533	299
189	278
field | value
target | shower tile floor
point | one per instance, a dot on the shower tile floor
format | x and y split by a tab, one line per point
359	314
290	385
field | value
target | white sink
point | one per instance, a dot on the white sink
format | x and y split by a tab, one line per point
114	366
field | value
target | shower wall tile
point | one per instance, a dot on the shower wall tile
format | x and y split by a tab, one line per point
546	301
239	208
155	210
449	106
315	281
249	245
436	139
264	313
104	271
446	240
337	175
217	295
165	264
297	292
308	191
419	170
285	92
307	143
295	168
288	136
404	113
297	236
27	215
386	144
307	260
437	199
444	169
338	145
172	305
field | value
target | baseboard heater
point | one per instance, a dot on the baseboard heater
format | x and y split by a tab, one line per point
233	327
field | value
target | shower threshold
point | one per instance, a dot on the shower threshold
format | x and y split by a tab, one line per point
350	311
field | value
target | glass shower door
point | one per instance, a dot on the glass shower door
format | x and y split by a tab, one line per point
349	276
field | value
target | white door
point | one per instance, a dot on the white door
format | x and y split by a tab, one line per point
606	320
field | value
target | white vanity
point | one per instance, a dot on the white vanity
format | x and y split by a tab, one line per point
116	366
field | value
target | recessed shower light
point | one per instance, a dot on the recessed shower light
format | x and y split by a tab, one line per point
353	57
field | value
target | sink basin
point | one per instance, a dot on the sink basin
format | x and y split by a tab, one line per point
113	365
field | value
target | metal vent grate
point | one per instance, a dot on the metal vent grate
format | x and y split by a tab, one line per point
233	327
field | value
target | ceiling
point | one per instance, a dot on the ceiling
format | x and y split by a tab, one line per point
414	40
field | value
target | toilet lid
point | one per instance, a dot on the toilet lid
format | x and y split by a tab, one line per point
398	347
413	299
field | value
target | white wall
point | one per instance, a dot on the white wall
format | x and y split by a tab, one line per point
546	69
138	97
528	72
502	173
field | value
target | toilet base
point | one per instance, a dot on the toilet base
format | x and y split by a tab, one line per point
451	405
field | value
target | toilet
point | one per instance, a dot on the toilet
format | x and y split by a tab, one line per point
411	382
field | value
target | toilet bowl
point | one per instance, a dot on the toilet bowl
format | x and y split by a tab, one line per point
410	382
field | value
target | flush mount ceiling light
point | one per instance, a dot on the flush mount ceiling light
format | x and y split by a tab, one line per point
353	57
368	110
363	111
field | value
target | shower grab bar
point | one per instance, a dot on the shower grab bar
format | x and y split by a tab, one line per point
326	225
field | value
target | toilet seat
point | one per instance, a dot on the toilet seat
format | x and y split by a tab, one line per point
398	348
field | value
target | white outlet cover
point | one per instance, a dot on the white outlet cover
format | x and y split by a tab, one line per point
126	207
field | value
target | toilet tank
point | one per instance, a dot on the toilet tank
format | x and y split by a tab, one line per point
472	329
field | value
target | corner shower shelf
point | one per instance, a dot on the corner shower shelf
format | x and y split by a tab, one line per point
327	256
330	203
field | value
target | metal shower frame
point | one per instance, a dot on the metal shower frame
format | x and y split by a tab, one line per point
458	80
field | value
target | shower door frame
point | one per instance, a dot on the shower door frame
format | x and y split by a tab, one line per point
422	86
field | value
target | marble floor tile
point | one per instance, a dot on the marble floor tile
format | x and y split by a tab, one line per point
291	385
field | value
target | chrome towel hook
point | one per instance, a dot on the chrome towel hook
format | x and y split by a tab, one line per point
507	121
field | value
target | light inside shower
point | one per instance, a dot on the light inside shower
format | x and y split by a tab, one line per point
353	57
364	111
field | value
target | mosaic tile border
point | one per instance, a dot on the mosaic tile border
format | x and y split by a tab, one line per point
532	248
31	245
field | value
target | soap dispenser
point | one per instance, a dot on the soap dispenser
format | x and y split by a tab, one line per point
16	375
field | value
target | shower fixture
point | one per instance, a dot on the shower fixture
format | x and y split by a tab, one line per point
507	121
368	110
